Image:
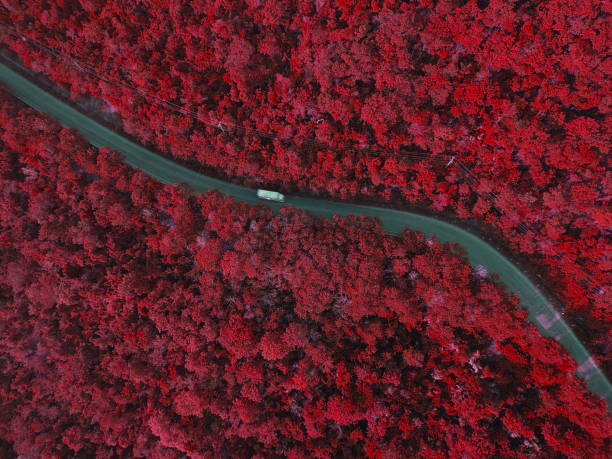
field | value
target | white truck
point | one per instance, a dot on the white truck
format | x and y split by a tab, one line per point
270	195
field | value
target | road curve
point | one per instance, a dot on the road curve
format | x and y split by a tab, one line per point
541	312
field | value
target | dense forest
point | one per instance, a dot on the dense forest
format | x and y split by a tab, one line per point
358	99
142	320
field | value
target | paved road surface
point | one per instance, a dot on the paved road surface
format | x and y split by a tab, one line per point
541	312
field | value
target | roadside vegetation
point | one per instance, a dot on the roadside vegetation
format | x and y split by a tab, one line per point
371	100
141	320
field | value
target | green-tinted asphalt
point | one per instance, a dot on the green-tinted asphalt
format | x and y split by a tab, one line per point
479	252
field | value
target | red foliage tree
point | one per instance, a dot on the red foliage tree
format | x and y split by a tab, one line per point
360	99
144	321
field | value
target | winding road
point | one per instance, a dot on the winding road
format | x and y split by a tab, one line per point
541	312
